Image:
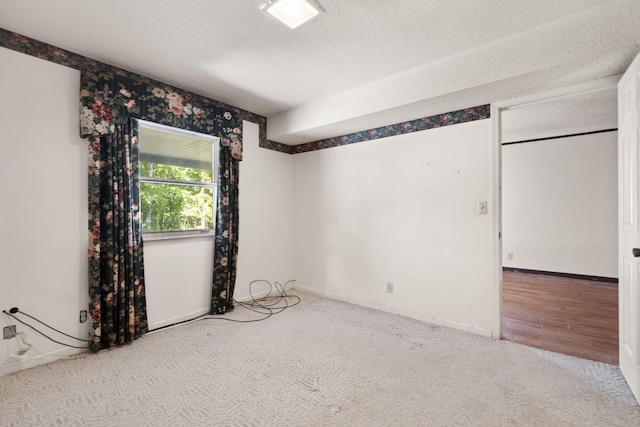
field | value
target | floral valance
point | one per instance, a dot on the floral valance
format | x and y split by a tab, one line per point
108	96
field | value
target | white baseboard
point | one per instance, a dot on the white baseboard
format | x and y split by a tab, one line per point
402	312
177	319
14	364
205	310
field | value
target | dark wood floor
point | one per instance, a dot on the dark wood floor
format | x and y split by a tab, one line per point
569	316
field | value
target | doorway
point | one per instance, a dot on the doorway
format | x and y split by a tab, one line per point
555	272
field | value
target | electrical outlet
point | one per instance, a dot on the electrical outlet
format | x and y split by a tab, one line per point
510	255
390	287
83	316
9	332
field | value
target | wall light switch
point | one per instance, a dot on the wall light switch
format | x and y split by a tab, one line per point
482	208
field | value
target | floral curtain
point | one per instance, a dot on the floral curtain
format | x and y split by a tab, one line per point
226	248
116	271
109	99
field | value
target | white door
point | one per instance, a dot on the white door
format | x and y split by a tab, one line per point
629	224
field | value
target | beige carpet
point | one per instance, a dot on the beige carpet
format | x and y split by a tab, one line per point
321	363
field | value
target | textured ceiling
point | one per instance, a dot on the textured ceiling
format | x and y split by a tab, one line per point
359	65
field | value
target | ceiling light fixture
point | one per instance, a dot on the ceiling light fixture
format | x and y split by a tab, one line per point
293	13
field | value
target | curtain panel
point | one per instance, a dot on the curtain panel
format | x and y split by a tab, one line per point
109	99
226	247
116	270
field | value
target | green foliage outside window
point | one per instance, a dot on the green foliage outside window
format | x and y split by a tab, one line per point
175	207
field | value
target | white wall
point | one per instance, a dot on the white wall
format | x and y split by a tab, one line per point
178	275
43	203
179	272
266	218
402	210
559	205
43	215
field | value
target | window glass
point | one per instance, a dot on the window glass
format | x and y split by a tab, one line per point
177	179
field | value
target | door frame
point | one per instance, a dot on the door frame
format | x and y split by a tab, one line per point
496	172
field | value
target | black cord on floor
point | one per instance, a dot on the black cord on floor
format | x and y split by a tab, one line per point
254	305
268	305
43	334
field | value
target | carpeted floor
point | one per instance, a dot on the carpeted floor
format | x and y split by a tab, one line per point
321	363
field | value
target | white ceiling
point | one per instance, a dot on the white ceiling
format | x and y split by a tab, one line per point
359	65
570	115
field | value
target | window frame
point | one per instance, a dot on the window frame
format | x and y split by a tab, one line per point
215	146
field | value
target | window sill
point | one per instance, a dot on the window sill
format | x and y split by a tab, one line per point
172	235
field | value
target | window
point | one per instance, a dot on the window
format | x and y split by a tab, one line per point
178	171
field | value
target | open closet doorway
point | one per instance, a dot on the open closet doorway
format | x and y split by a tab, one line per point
558	220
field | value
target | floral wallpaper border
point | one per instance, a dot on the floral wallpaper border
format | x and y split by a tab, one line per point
440	120
60	56
26	45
